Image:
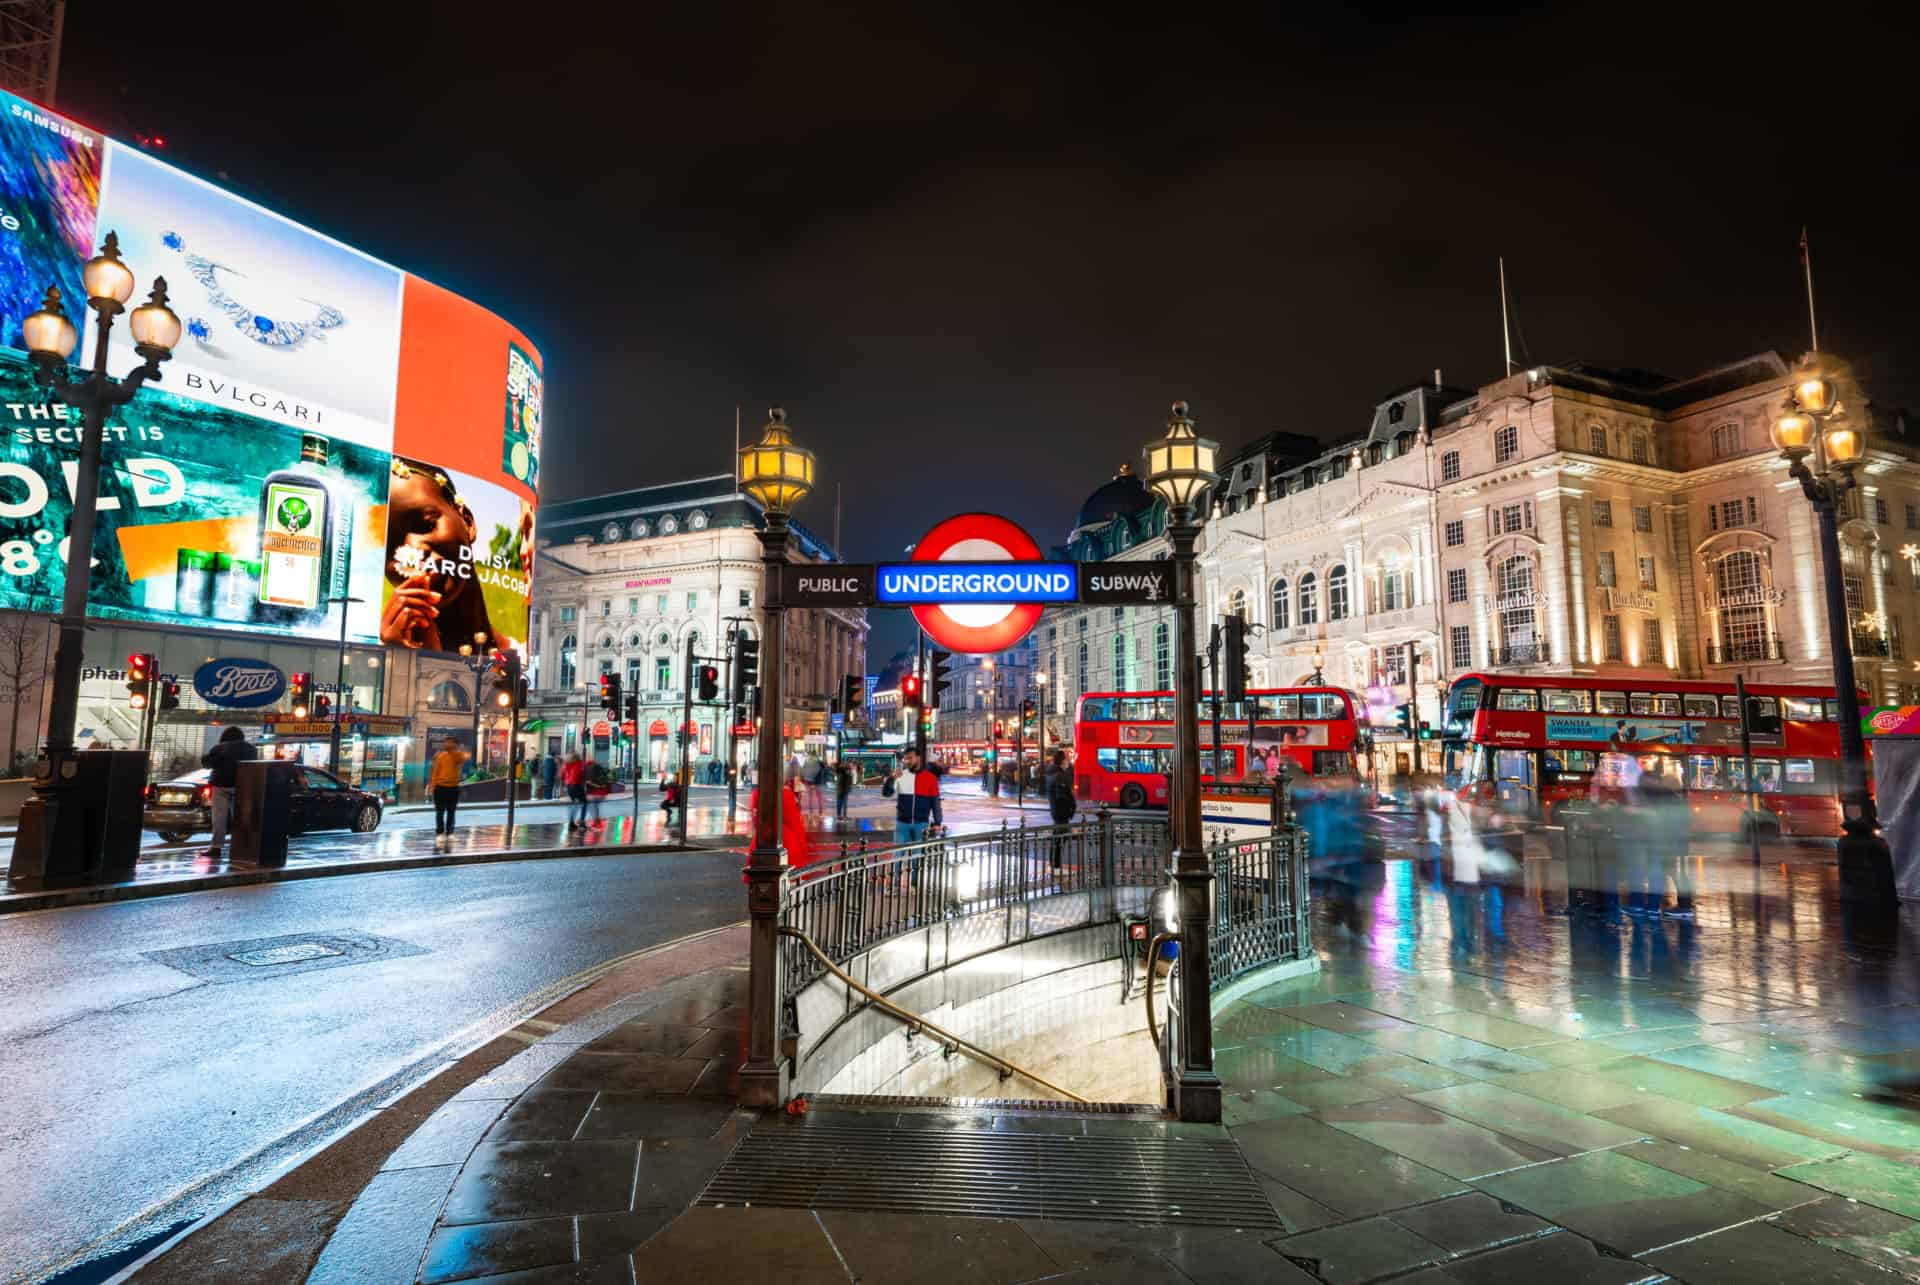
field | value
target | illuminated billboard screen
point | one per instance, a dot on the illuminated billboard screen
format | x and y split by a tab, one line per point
330	427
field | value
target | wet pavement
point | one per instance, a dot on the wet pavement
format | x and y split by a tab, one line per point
1481	1084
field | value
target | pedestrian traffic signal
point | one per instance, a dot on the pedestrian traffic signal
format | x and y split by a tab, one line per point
853	693
632	709
1233	669
300	693
938	667
999	730
1426	730
323	707
610	692
910	691
139	678
170	694
709	676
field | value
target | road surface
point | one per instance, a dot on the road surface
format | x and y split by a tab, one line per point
135	1085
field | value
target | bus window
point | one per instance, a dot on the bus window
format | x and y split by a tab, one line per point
1516	698
1800	772
1666	765
1703	773
1833	709
1703	707
1332	763
1766	775
1804	709
1280	707
1653	703
1576	762
1328	705
1562	700
1463	698
1096	711
1609	702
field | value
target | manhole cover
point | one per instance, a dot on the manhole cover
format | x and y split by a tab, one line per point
270	957
284	954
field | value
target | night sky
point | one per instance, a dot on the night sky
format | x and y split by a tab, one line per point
976	253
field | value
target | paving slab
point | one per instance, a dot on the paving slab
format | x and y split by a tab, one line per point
1619	1202
1432	1138
1756	1254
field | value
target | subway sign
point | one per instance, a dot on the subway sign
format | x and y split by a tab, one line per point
904	584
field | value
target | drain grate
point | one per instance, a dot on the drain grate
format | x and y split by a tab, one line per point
284	954
992	1173
998	1106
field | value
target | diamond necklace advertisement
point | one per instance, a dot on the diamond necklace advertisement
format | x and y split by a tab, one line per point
330	427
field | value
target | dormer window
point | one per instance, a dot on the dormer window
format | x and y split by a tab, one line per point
697	520
669	524
610	532
1396	412
639	529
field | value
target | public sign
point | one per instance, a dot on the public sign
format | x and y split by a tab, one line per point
963	622
832	584
234	683
1126	582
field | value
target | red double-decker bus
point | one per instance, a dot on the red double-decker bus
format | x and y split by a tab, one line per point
1524	745
1123	741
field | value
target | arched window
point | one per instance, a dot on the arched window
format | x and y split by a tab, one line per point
1120	663
1336	593
1514	585
1162	657
1282	604
1506	443
1237	603
449	695
1740	577
569	660
1393	584
1309	600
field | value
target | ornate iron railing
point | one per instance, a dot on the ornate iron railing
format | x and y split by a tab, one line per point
1259	904
1736	650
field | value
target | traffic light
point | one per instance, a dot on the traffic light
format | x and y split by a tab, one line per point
910	691
139	678
1233	671
1403	720
300	693
1028	712
999	729
746	667
170	694
1426	730
709	676
323	707
938	667
853	693
632	710
1758	722
610	692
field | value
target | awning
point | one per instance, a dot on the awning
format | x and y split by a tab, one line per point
534	725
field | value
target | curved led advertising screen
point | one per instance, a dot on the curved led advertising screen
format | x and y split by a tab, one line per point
331	434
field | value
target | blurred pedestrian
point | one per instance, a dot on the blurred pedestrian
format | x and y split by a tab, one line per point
549	770
444	778
1061	804
573	779
916	790
842	788
223	768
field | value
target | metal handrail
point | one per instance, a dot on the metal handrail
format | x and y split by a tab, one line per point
918	1023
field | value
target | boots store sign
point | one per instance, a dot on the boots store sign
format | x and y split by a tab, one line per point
239	684
977	583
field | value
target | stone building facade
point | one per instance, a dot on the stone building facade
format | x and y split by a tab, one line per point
627	580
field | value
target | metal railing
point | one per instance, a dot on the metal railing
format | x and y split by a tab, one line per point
1870	644
1533	653
855	901
1259	905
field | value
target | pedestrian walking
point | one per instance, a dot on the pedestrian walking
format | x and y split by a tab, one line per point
842	788
223	766
1060	801
916	790
549	771
573	778
443	777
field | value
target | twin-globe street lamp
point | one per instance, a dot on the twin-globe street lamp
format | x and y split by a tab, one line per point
50	339
777	474
1814	426
1179	470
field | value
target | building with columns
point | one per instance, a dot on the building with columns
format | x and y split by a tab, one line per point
625	582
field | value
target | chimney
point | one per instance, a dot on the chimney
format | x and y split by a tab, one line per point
1436	377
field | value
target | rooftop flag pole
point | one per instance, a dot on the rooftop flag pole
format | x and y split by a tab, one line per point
1806	266
1506	330
736	447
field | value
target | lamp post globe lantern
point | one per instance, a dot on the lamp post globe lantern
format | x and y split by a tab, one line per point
777	473
1814	416
1180	468
54	836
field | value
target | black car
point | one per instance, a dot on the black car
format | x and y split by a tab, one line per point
182	807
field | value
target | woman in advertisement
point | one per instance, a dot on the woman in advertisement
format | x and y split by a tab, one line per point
437	602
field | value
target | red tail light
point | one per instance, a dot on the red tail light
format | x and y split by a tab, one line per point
206	794
147	794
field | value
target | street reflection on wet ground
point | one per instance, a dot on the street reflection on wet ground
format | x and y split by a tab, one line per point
1726	1095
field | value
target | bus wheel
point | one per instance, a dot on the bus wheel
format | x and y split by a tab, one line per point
1132	796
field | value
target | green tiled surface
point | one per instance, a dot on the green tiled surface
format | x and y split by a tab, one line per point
1754	1183
1843	1119
1620	1202
1551	1128
1885	1239
1434	1139
1757	1254
1345	1173
1577	1089
1887	1184
1359	1251
1747	1141
1682	1084
1497	1031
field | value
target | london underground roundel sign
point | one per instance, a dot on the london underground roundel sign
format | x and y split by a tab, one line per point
977	627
